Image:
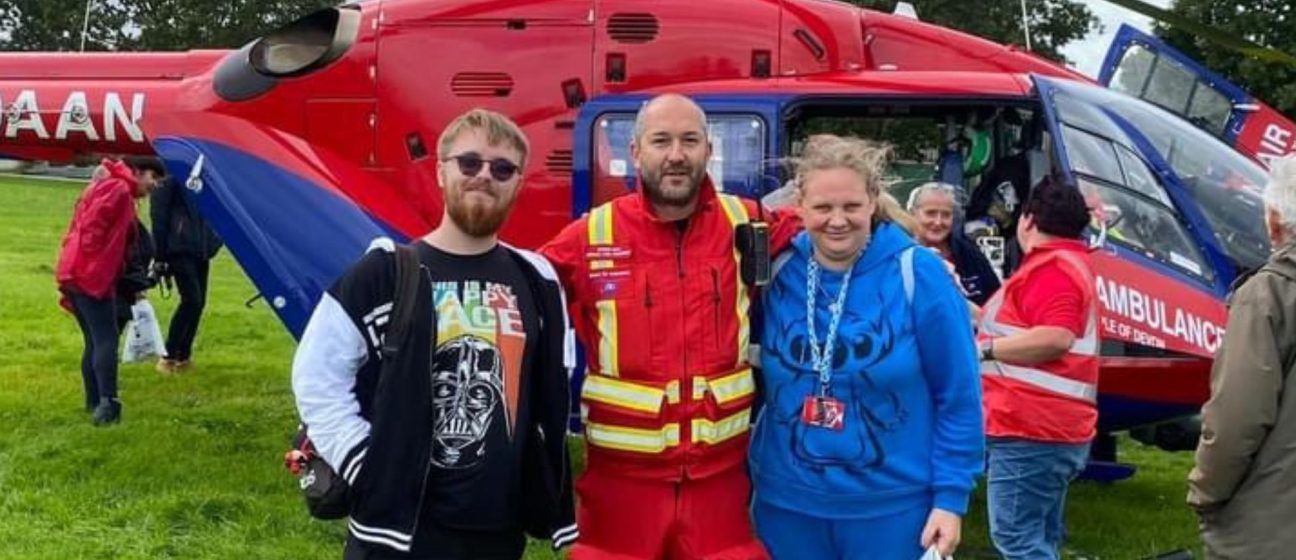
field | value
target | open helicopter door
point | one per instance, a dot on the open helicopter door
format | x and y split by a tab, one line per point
294	216
1143	66
1159	272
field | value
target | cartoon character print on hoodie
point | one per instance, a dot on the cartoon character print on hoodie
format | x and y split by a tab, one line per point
864	338
861	342
905	371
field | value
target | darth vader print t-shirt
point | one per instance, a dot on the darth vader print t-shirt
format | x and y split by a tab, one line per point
487	328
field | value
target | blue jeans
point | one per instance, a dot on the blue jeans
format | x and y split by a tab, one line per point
98	321
1027	485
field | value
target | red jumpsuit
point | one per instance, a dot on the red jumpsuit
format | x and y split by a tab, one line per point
662	313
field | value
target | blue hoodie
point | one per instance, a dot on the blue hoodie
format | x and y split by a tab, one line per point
907	374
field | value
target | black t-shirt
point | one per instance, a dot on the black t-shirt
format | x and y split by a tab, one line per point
487	329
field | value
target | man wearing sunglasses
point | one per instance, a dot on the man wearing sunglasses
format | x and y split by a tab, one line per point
660	306
461	446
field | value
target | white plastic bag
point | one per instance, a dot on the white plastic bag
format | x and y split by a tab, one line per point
143	335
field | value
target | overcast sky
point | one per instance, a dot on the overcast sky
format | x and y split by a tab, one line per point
1087	54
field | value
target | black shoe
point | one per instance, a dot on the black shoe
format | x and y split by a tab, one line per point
108	412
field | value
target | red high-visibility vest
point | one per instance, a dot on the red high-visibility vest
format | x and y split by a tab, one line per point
662	314
1054	401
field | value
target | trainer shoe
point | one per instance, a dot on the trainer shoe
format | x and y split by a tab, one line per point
167	366
108	412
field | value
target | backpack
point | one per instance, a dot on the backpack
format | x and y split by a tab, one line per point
325	491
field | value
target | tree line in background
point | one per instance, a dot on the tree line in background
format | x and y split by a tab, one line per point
177	25
1269	23
143	25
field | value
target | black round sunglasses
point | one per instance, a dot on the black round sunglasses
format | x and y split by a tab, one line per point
471	163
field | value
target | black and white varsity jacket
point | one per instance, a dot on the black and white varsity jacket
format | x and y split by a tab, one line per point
383	451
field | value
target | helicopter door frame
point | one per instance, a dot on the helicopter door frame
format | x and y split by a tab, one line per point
1214	274
1252	127
1128	37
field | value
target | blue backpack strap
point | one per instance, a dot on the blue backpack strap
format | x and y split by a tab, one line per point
907	273
779	261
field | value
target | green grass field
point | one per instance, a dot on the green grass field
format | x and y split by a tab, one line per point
194	471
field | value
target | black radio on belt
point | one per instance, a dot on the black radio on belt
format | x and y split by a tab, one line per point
753	244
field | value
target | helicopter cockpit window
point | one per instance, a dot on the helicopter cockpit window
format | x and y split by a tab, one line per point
736	164
1225	184
1136	211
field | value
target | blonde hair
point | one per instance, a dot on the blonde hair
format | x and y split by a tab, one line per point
866	158
890	208
499	130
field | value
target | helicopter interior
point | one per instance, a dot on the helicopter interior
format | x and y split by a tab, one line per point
989	152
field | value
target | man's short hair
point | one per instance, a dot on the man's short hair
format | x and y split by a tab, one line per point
140	164
499	130
1058	208
1280	194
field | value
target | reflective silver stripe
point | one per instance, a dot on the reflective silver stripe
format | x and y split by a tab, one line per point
1087	392
1086	345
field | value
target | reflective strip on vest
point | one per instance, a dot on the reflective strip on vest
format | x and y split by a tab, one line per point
632	439
625	394
1086	346
736	212
600	225
607	327
1065	386
725	389
599	228
706	431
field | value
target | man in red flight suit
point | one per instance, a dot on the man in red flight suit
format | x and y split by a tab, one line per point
661	308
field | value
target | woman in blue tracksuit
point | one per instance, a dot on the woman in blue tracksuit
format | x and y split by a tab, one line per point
870	437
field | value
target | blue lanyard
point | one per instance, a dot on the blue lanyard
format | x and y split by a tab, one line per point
822	358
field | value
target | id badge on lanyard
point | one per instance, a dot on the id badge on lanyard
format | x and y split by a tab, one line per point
822	410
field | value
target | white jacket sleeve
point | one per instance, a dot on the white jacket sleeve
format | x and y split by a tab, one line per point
330	354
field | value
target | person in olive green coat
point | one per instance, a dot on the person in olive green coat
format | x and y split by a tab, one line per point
1243	486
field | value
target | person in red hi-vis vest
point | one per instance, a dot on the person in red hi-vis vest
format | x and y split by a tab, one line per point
661	308
1039	371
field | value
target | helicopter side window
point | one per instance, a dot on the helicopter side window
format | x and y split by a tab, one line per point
1134	208
1145	74
737	154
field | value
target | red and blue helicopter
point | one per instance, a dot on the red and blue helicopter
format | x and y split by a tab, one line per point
310	141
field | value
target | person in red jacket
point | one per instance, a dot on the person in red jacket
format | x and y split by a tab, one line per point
91	262
660	306
1039	373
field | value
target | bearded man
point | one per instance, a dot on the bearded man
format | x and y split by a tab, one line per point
454	447
661	310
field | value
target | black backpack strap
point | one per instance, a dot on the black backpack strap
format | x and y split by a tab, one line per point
404	300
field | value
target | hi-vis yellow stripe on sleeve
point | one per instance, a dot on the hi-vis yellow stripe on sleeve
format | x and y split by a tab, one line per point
599	230
737	214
